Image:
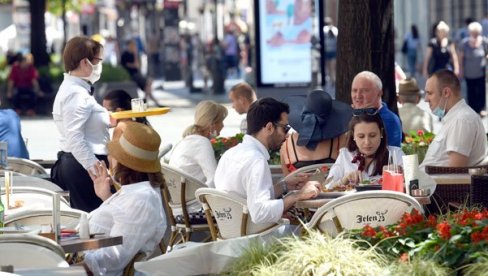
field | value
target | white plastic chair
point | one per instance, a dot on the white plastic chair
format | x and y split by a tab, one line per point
30	251
231	214
25	166
34	198
20	180
178	193
354	211
68	218
311	169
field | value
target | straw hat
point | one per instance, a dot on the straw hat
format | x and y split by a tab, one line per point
317	117
137	148
408	87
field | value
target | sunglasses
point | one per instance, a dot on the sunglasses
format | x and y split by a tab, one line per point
365	111
286	127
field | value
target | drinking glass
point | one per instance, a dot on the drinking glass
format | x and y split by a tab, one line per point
137	105
393	179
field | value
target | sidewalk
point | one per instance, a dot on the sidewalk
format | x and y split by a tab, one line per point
42	136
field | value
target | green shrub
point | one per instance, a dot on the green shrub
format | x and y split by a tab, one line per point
113	74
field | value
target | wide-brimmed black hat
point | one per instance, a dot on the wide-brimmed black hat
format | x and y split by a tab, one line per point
317	117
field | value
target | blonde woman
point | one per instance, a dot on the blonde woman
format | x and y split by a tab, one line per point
441	53
194	154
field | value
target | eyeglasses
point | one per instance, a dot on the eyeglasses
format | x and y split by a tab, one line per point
365	111
96	58
286	127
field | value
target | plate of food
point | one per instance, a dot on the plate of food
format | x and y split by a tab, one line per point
370	184
336	191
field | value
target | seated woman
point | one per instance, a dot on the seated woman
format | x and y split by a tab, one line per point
366	152
321	125
135	212
194	154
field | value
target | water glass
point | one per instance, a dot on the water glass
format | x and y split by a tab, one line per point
137	105
393	179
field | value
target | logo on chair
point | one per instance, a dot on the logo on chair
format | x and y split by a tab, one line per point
224	214
378	217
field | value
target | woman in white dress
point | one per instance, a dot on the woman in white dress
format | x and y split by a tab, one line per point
365	154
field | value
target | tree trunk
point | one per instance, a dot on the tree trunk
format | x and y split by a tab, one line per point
38	32
366	42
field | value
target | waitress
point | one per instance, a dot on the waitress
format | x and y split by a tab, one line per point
83	124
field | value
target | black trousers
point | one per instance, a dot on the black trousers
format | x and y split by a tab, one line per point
70	175
476	93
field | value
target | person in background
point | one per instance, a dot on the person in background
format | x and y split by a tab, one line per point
130	61
82	123
135	211
366	152
472	60
194	154
330	33
321	125
412	39
231	51
366	92
10	132
23	86
242	95
441	52
412	116
244	169
461	141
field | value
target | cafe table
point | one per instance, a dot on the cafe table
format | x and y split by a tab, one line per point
96	242
452	179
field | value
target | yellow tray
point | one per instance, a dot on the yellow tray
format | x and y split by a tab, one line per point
149	112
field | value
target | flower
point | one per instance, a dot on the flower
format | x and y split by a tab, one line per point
222	144
453	240
417	142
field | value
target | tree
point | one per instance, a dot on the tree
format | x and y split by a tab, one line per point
38	32
366	42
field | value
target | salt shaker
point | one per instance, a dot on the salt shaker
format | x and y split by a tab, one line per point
84	230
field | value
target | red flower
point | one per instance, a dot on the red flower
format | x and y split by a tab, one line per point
324	168
444	230
432	221
476	237
369	231
420	132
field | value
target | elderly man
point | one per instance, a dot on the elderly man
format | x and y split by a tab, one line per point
366	93
244	169
461	141
412	116
242	96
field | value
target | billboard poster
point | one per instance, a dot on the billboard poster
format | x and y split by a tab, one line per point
284	33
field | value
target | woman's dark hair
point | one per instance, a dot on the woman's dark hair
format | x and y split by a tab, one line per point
264	111
415	31
380	157
78	48
125	176
119	99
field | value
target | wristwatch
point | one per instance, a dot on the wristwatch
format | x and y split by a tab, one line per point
284	187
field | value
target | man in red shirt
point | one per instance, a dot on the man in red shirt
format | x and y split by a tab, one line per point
23	77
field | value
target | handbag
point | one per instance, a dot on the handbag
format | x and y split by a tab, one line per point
404	47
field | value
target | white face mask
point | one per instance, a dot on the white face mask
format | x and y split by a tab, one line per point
95	74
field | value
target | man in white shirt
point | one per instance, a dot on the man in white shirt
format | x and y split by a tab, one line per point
461	141
244	169
242	96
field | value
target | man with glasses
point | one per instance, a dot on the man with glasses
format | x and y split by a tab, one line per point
461	141
366	92
244	169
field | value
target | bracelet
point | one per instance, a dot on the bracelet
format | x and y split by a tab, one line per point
284	187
